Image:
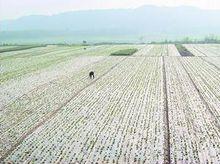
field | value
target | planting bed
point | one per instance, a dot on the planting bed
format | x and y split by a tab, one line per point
154	106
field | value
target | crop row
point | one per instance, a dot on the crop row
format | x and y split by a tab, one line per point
21	63
194	132
206	78
6	47
18	87
151	51
30	52
23	114
16	67
204	49
37	56
123	115
20	74
144	51
172	50
209	50
117	119
215	61
158	51
17	48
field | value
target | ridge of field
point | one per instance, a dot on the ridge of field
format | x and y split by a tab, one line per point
26	111
15	88
18	48
209	50
152	107
206	77
157	51
209	53
115	121
6	47
213	60
10	89
194	132
32	52
43	83
33	60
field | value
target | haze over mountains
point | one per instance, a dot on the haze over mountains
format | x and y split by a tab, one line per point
120	25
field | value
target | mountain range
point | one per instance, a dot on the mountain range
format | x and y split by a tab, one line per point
117	25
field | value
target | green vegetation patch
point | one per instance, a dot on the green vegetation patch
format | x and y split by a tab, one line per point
17	48
183	50
125	52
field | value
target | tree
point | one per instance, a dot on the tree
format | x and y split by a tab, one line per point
211	39
186	40
141	39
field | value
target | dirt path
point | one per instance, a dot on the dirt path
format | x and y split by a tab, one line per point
166	118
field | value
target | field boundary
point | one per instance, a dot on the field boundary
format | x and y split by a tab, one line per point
50	116
167	159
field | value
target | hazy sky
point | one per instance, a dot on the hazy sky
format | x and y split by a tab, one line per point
10	9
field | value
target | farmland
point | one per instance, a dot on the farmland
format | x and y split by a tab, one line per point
154	106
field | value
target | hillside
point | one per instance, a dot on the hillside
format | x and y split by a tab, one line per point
151	22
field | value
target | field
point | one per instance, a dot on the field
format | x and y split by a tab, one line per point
155	106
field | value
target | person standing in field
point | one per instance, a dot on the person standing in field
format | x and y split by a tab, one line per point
91	75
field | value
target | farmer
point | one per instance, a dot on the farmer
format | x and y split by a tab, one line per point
91	75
